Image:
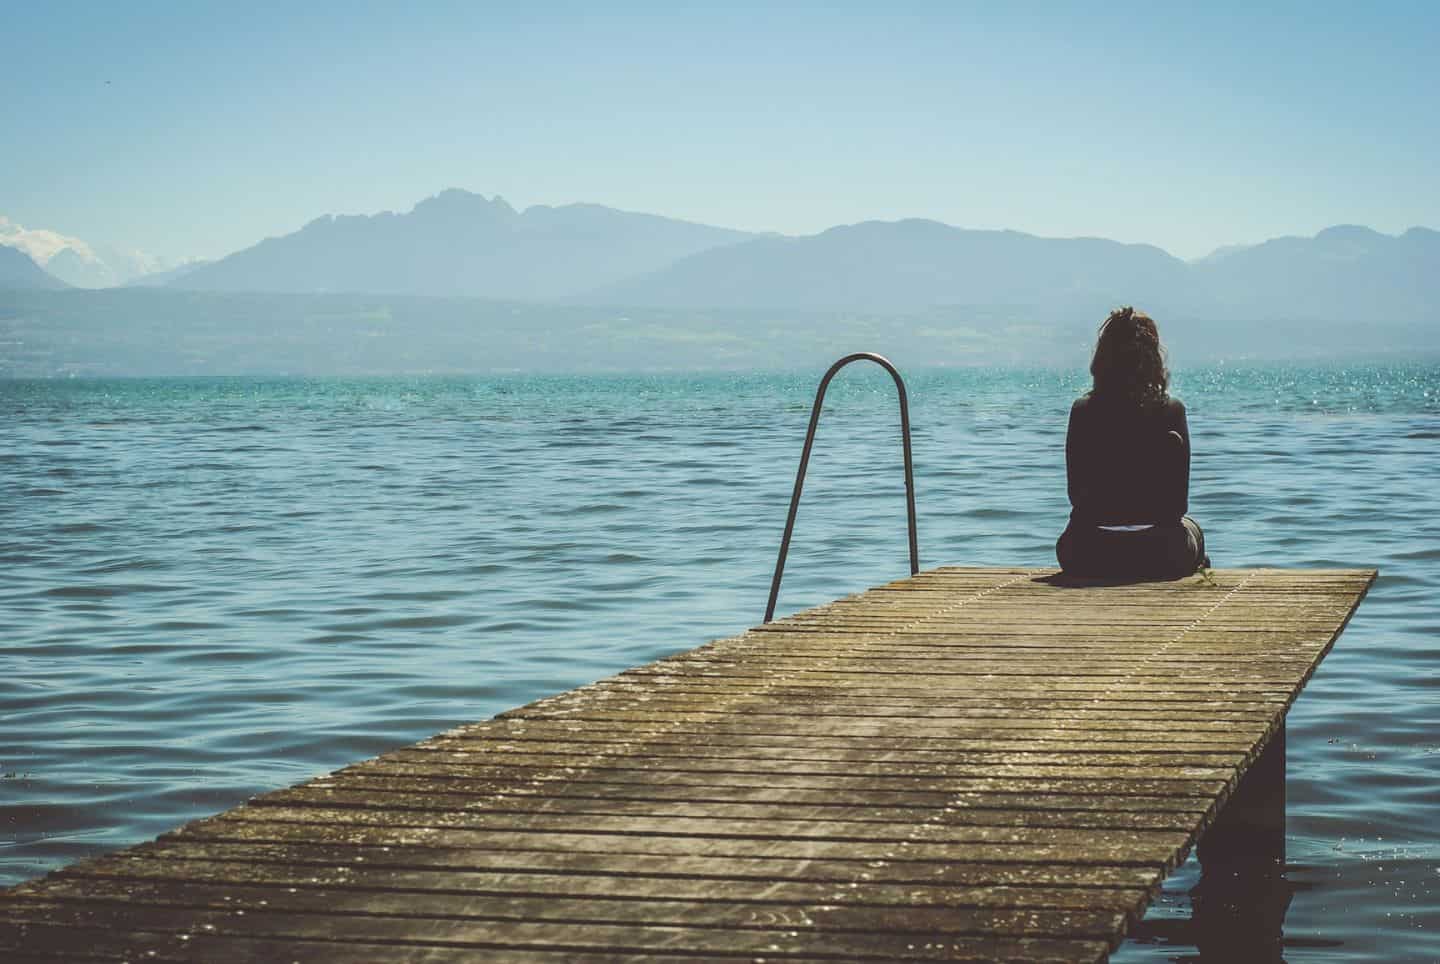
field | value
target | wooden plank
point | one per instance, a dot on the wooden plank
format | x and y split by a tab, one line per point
789	800
618	769
347	875
780	932
605	866
472	909
741	734
971	764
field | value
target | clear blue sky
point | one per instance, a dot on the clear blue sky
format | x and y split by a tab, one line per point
196	129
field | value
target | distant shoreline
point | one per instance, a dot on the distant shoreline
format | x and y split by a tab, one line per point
147	332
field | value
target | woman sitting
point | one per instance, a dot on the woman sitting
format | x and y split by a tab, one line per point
1127	460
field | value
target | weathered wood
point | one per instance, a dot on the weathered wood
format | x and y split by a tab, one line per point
347	874
616	867
970	764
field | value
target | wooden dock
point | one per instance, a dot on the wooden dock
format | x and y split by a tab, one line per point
970	764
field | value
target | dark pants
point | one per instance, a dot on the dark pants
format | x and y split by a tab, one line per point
1160	552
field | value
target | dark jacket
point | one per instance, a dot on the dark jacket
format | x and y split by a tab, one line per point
1124	464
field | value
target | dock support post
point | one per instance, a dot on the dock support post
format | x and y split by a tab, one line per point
1240	903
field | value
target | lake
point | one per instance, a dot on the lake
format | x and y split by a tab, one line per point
212	587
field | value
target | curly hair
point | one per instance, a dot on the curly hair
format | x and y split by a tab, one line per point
1129	360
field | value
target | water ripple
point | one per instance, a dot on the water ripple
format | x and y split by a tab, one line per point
211	587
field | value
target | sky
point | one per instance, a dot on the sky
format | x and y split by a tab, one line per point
193	130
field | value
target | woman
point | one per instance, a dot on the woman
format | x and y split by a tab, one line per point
1127	460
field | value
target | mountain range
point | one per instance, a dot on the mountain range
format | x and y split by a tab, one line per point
1339	275
913	265
19	270
463	244
459	244
76	262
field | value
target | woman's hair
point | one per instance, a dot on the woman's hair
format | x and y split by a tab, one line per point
1129	361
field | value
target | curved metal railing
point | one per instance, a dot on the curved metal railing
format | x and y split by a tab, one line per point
884	363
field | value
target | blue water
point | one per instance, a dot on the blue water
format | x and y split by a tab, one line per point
211	587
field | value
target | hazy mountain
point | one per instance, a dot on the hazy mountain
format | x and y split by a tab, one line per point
1343	273
19	270
83	269
156	279
75	261
908	265
459	243
463	244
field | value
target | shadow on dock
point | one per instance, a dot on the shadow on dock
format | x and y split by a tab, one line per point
1066	581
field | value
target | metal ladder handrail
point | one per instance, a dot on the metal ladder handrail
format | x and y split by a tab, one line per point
884	363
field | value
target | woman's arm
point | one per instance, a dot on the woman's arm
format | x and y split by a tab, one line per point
1177	477
1077	483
